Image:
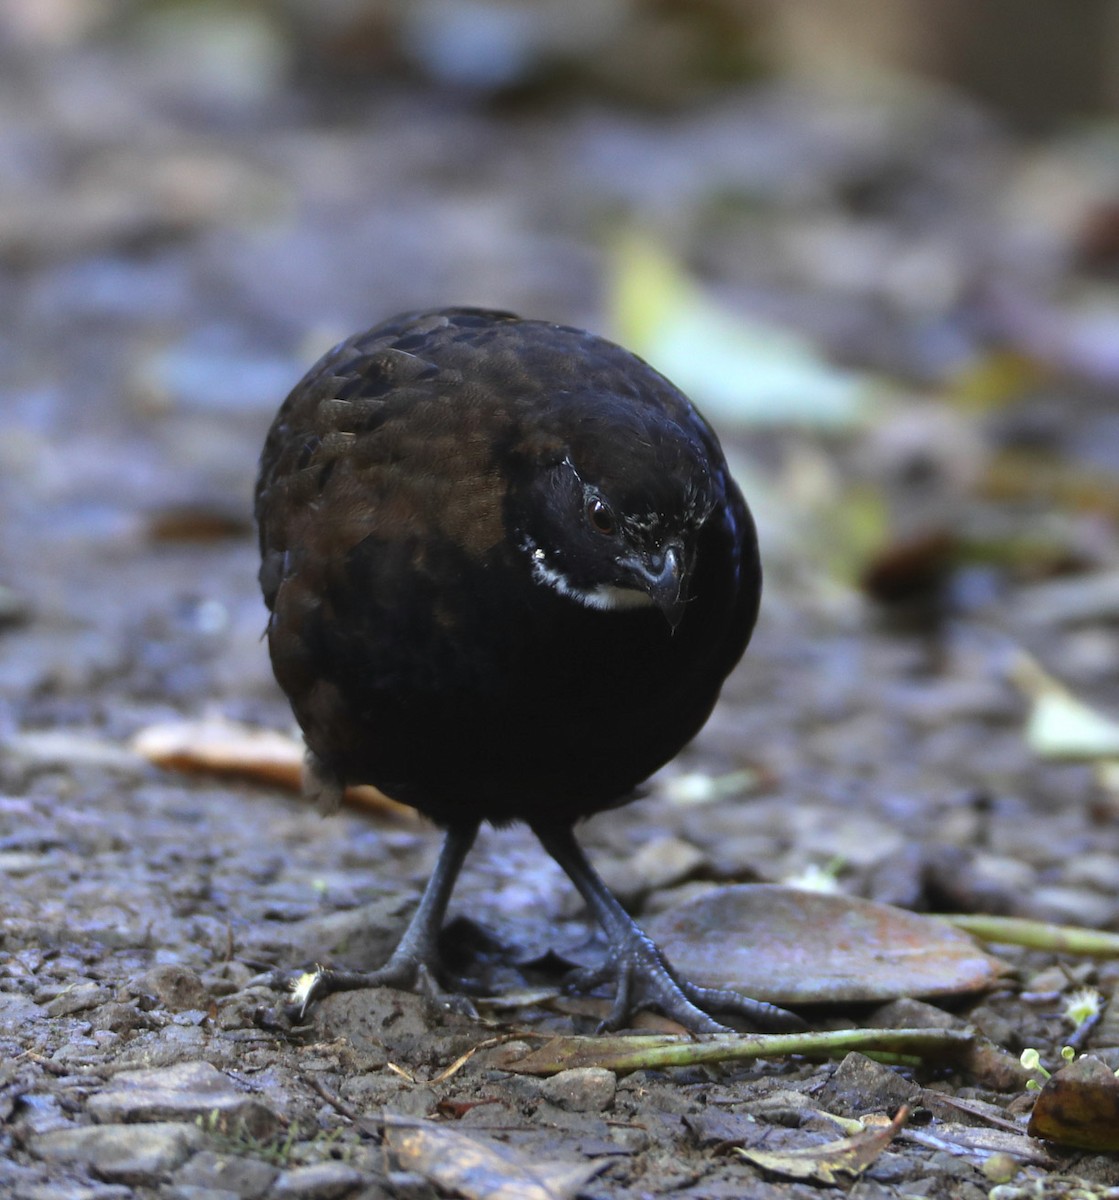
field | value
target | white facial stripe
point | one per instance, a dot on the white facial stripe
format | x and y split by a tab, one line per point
610	597
605	597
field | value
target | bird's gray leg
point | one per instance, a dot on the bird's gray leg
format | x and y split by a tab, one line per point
641	974
414	964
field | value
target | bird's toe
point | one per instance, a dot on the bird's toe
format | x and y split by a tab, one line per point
642	978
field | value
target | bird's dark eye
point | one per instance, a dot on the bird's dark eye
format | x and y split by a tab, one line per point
599	515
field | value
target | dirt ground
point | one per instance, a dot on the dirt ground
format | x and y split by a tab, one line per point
181	238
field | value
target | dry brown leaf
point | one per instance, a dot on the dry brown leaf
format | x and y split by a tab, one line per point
223	747
215	745
910	569
794	947
833	1162
1079	1106
196	523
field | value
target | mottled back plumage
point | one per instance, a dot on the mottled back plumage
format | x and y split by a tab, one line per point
406	627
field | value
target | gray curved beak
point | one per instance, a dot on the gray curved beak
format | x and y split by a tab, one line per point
662	577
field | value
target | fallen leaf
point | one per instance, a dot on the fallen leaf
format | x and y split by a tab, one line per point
1059	725
910	569
993	380
481	1170
196	523
1063	727
833	1162
791	947
736	369
1079	1106
457	1109
215	745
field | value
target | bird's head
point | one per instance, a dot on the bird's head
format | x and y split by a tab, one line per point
612	523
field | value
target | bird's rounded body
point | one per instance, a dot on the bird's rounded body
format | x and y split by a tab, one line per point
441	629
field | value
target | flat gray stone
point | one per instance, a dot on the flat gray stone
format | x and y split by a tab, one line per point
190	1192
319	1181
17	1013
132	1154
187	1091
79	999
246	1177
73	1191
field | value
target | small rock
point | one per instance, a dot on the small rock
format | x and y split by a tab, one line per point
79	999
907	1013
661	863
861	1086
122	1018
72	1191
665	861
241	1010
189	1192
582	1089
1073	905
177	988
178	1043
410	1185
132	1154
18	863
994	1024
320	1181
183	1092
247	1178
226	978
17	1014
39	1112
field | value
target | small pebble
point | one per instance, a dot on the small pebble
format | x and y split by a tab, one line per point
177	988
582	1089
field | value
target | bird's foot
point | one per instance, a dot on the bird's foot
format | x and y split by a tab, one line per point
414	965
404	971
643	978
